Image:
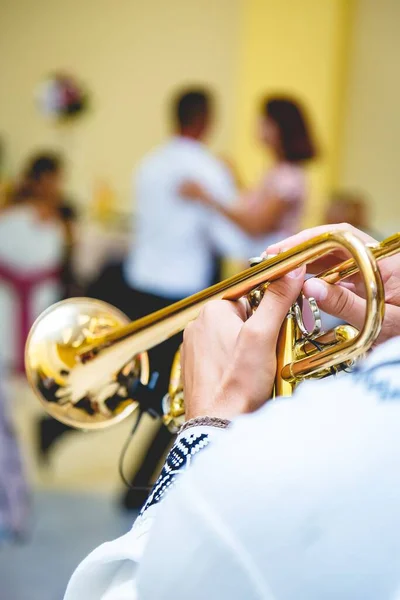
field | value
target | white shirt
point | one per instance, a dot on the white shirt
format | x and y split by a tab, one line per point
172	254
298	501
28	243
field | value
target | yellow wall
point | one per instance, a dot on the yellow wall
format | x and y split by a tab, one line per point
131	53
297	48
372	125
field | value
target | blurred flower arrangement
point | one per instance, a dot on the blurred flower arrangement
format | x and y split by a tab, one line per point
62	97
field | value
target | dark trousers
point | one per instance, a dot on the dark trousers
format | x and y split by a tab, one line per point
138	304
111	287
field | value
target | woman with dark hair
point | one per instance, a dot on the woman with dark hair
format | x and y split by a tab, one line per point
41	182
39	198
275	206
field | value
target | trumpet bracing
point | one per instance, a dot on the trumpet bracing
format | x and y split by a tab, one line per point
85	360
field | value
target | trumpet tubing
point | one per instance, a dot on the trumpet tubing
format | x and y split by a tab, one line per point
83	360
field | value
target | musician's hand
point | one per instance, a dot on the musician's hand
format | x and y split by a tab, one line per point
344	300
194	191
328	260
228	358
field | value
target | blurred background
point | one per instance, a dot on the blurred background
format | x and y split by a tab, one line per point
87	87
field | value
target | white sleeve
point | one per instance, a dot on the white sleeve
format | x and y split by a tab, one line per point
219	181
227	239
297	501
109	572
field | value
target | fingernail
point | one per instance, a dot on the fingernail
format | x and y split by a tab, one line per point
318	289
296	273
267	254
272	251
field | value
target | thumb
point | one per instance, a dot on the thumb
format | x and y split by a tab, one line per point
337	301
266	322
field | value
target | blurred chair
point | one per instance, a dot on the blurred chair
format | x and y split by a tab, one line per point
31	255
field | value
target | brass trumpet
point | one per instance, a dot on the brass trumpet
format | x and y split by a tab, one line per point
84	359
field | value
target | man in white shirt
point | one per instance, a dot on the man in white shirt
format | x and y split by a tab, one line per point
172	255
176	242
298	500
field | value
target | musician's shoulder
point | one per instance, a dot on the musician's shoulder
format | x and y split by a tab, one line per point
379	374
385	354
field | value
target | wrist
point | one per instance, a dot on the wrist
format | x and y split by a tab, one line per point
225	404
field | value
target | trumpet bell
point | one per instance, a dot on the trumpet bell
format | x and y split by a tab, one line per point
60	371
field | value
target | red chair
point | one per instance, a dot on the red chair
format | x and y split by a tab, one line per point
23	287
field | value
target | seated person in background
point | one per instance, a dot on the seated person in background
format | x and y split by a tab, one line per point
32	241
41	190
41	187
352	208
298	500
